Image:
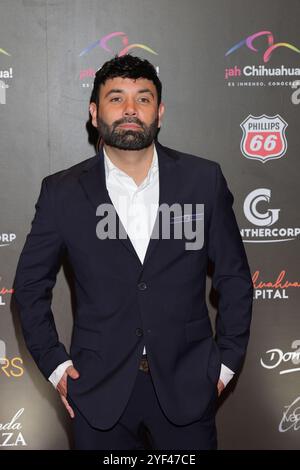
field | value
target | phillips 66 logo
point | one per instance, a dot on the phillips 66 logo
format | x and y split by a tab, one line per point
263	137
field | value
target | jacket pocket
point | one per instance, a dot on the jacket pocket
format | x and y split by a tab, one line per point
86	339
197	330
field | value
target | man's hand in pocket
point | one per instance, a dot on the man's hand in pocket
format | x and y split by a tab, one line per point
220	387
62	387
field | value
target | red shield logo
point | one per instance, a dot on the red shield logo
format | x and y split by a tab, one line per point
264	137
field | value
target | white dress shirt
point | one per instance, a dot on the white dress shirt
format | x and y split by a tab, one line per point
136	207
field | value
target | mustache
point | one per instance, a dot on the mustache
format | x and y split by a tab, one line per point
128	121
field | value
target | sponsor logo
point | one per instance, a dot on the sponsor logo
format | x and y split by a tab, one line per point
7	238
266	290
287	361
2	51
257	212
4	74
11	367
122	46
3	88
295	97
10	432
4	291
291	417
271	46
125	48
263	137
2	351
262	46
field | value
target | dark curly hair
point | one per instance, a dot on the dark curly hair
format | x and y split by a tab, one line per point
126	66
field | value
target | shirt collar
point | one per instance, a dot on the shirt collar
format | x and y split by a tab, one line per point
110	167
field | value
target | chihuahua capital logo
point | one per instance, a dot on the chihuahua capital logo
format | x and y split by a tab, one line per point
271	45
125	44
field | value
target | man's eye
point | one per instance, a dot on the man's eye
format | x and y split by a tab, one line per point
145	100
116	98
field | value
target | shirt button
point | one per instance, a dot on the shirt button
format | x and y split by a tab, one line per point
139	332
142	286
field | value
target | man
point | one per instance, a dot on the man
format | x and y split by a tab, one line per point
143	362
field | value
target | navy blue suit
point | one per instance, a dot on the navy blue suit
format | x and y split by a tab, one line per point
122	304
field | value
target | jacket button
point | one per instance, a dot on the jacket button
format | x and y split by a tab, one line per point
142	286
139	332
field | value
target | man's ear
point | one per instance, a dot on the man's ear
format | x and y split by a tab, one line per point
93	112
161	110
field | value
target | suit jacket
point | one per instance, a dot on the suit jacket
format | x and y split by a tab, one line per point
122	304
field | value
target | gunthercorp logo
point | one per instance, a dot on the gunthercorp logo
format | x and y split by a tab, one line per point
257	212
122	46
7	239
263	137
262	46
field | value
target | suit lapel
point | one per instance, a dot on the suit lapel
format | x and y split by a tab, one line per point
168	189
93	183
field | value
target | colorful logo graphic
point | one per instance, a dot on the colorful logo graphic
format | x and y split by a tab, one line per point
2	51
263	137
277	288
4	291
125	43
271	45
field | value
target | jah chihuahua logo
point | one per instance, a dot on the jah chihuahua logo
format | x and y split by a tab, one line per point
263	137
126	47
272	46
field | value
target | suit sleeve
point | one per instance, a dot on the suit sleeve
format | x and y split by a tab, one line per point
35	277
231	277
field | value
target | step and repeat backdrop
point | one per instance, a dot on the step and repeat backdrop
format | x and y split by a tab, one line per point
231	85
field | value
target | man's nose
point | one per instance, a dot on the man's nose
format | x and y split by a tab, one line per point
129	108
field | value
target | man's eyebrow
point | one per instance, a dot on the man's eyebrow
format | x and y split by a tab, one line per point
146	90
113	90
120	90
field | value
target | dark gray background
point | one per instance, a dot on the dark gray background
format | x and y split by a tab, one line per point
42	130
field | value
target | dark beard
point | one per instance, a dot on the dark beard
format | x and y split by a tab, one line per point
127	139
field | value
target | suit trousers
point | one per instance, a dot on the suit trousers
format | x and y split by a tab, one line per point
144	426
